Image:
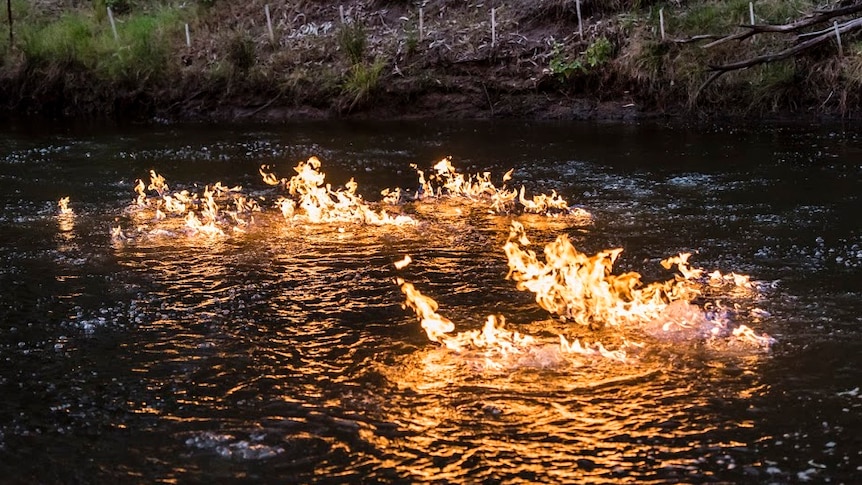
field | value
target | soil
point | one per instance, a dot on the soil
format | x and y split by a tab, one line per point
452	72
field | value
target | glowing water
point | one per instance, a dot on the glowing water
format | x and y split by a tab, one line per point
282	352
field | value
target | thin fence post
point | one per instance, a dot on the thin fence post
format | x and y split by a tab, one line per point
580	20
341	13
838	37
269	23
113	25
661	21
188	37
493	28
751	11
421	23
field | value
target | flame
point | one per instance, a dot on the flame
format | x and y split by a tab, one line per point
446	181
437	327
494	339
63	206
220	209
317	202
542	203
746	336
269	178
65	216
403	262
584	289
157	183
310	199
576	286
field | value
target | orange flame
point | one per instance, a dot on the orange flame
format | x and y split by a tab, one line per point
318	203
493	339
66	216
583	288
446	181
63	206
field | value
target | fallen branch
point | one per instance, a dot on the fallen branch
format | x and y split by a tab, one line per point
824	36
812	19
696	38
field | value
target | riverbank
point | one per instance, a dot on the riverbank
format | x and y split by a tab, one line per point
212	60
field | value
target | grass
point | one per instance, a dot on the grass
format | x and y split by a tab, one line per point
144	48
353	41
343	68
77	40
68	42
680	69
240	52
361	81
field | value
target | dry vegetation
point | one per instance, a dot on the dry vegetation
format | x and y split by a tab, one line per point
372	58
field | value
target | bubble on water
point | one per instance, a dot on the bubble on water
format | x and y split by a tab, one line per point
807	475
228	446
247	451
207	440
851	393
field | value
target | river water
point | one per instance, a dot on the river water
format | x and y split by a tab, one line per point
284	354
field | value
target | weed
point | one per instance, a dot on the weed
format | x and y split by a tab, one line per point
66	42
240	52
353	40
599	52
143	50
76	41
723	17
411	42
561	65
361	81
850	66
779	12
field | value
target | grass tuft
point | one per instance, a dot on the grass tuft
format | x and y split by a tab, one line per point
353	40
361	81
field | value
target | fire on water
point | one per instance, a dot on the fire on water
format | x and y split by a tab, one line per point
219	210
583	289
574	286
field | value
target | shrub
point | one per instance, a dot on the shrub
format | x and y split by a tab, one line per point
560	65
361	81
240	52
599	52
353	40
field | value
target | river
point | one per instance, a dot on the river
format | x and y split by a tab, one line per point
281	351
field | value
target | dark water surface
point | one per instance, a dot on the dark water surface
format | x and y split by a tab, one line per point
284	355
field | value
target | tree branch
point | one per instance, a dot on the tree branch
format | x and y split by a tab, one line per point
825	36
814	18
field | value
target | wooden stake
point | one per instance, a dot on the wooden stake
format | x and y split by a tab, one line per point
661	21
421	23
341	13
188	37
113	25
269	23
751	11
580	20
493	28
838	37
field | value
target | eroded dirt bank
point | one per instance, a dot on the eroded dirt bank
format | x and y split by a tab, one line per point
393	59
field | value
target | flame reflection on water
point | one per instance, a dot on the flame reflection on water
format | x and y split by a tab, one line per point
278	351
296	327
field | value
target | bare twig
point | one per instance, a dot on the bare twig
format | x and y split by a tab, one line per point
826	36
817	17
